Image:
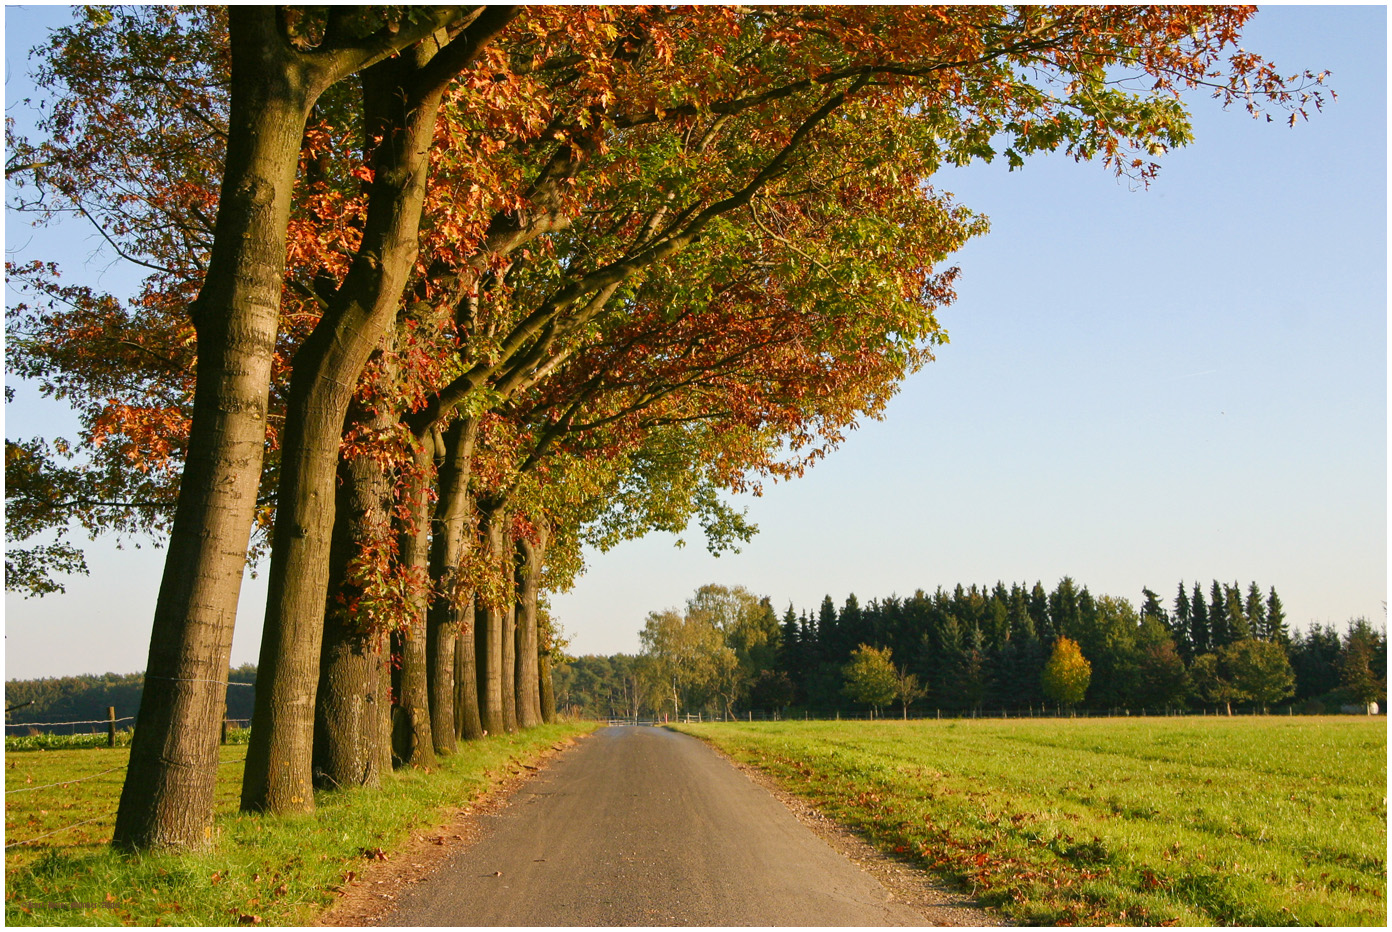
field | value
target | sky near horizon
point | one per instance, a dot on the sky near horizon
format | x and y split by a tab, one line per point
1185	383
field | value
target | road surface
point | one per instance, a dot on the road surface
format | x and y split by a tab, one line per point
642	826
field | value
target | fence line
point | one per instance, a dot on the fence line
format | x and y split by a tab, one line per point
95	721
30	789
30	841
92	776
1036	712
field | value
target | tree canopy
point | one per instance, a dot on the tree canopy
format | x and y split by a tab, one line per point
480	284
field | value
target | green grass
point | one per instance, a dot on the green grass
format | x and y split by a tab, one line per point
1162	821
272	871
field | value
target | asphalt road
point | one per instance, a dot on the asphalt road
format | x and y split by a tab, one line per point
642	826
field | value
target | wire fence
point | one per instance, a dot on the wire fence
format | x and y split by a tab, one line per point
919	715
75	780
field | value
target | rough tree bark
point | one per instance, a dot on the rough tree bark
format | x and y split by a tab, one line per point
528	678
489	621
548	691
167	799
411	738
509	666
448	544
401	99
468	725
350	701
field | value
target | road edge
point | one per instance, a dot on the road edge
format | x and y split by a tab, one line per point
939	904
372	896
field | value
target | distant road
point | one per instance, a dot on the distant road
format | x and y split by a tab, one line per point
641	826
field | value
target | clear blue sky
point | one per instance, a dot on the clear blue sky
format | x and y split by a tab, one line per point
1143	387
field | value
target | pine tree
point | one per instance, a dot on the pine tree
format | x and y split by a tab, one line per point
1256	613
1239	628
1182	626
1200	636
1044	626
807	638
1218	633
852	627
790	654
1018	615
1276	620
1063	608
1151	607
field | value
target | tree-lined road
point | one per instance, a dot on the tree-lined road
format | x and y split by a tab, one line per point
641	826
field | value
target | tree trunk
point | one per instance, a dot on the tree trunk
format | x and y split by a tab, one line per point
548	691
412	739
509	667
448	545
168	794
466	703
401	99
324	374
167	799
528	670
348	704
488	639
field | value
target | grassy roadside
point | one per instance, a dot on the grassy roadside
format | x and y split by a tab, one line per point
1129	821
270	871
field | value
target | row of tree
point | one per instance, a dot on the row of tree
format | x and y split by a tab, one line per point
979	648
479	285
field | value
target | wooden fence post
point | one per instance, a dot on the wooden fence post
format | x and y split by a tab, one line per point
224	731
111	726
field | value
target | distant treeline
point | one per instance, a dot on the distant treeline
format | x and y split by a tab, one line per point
86	698
979	648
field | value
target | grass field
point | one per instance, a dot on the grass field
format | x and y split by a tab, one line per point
271	871
1161	821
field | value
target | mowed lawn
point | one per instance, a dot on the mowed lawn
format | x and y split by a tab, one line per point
1139	821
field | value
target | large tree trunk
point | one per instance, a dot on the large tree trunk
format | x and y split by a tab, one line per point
326	369
466	704
448	545
548	690
412	740
168	793
167	800
528	670
509	667
349	701
400	102
489	619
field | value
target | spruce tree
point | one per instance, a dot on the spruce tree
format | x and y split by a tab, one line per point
1276	619
1256	613
828	634
1239	628
1182	628
1018	615
1199	636
807	638
1063	608
1218	634
790	651
1044	626
1151	607
852	628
